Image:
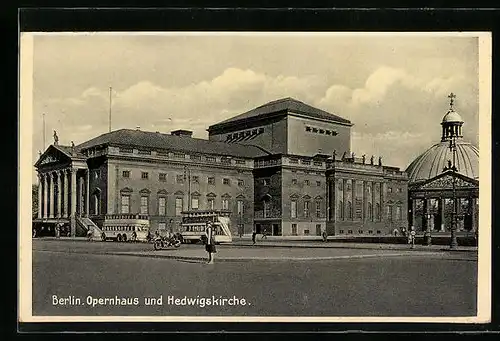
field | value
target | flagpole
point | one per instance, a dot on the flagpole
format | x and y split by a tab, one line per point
110	89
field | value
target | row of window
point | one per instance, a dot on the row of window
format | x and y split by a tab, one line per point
368	188
306	182
179	205
180	155
180	179
306	209
360	231
243	134
321	131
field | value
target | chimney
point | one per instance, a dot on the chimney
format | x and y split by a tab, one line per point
181	132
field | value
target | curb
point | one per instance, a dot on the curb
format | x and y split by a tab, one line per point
347	246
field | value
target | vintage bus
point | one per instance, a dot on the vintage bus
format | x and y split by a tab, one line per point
125	227
195	222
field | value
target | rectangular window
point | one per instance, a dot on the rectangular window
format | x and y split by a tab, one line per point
179	179
389	213
294	229
162	153
179	155
210	204
125	203
195	157
126	174
306	209
318	163
294	161
179	206
306	232
305	162
266	209
240	162
241	183
226	181
318	183
225	160
240	207
318	209
195	179
210	159
211	180
162	226
162	203
294	181
144	175
328	132
399	213
144	152
293	209
195	203
225	204
126	150
306	182
162	176
144	204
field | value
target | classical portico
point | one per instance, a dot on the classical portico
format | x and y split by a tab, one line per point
63	187
431	204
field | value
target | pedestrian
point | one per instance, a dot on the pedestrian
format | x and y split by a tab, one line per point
264	234
325	236
254	234
210	246
90	233
395	231
58	230
411	239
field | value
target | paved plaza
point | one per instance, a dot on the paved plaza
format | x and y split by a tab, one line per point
274	281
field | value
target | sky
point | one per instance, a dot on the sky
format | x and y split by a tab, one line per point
394	88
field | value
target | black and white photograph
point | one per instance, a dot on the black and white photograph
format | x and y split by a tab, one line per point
255	176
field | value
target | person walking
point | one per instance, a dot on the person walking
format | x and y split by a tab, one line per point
411	239
210	246
254	234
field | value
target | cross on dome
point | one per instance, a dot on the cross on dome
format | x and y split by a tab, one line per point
452	97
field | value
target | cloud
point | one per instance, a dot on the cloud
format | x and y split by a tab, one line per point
396	113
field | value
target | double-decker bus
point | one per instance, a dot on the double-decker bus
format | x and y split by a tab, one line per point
194	223
125	227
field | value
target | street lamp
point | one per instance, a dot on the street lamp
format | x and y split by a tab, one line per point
453	230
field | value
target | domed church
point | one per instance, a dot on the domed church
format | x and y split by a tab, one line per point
431	175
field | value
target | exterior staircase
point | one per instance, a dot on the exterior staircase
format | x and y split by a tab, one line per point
86	223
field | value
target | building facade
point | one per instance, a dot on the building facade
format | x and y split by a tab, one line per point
445	175
284	168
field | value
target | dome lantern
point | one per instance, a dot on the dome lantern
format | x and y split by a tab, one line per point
452	122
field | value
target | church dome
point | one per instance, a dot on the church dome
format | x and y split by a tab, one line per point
432	162
452	116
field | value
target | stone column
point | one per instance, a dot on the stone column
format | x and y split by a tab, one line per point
73	202
474	213
373	201
45	196
59	194
51	195
441	212
344	197
353	200
66	193
413	209
87	193
40	194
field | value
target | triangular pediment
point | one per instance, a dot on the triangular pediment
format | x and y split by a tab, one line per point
445	181
240	196
294	196
179	193
211	195
162	192
53	155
